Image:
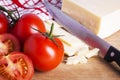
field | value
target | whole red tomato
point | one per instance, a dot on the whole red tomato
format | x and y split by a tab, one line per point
23	27
16	66
45	53
8	43
3	23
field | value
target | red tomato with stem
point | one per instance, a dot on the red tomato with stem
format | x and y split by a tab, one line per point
3	23
8	43
23	27
46	52
16	66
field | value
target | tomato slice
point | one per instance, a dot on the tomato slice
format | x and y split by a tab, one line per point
8	43
16	66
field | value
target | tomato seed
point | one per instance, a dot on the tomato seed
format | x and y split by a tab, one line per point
24	66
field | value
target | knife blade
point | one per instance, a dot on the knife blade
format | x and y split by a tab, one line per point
108	52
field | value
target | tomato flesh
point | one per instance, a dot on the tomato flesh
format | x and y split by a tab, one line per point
16	66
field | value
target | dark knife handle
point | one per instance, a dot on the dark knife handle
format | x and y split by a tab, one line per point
113	55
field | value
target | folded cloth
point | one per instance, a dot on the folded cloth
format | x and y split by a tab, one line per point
30	6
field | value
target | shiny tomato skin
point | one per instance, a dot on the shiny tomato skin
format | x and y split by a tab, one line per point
3	23
8	43
16	66
23	28
45	54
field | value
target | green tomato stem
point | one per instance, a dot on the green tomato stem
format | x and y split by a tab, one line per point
49	35
10	14
51	31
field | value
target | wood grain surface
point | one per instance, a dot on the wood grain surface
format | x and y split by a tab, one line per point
95	69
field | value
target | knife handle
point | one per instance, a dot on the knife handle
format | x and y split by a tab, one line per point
113	55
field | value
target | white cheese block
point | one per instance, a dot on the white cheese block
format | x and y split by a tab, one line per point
100	16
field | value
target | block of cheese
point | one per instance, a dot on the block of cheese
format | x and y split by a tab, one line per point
100	16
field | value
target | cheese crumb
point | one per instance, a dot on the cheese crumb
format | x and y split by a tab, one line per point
76	60
92	53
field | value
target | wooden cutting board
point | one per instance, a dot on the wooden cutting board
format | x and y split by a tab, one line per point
95	69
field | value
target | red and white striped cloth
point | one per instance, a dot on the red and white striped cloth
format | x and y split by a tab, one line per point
30	6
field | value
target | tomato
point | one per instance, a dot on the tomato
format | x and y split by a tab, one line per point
16	66
45	53
23	27
8	43
3	23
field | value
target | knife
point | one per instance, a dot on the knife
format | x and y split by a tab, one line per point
108	52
